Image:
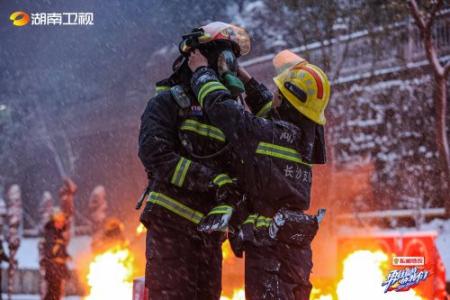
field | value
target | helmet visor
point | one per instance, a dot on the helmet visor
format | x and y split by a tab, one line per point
223	31
241	37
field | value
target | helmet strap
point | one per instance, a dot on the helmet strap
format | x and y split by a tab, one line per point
287	112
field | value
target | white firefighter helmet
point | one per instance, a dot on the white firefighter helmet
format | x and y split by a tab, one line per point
217	31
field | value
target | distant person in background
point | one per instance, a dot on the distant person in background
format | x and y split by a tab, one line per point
55	256
111	235
3	257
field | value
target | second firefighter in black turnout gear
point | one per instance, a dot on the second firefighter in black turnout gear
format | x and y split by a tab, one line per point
274	159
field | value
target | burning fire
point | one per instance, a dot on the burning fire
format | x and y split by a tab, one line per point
316	294
226	251
238	294
363	273
111	275
229	261
140	229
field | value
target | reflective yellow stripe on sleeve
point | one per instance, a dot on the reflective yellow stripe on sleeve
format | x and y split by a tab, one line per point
222	209
280	152
203	129
222	179
262	221
207	88
264	110
176	207
180	172
258	220
250	219
161	88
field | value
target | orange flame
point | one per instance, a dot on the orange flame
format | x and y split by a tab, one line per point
316	294
234	290
110	275
226	251
238	294
140	229
363	273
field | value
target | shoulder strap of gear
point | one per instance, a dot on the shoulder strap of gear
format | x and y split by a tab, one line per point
180	96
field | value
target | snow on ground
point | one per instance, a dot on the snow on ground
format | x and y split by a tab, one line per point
36	297
28	257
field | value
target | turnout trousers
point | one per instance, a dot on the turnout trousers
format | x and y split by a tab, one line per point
279	272
182	266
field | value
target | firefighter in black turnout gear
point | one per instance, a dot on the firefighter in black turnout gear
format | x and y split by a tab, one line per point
185	160
274	159
55	256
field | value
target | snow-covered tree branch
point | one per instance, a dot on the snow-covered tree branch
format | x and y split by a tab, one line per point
440	72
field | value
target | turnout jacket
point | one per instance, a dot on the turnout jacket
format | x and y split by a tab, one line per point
55	251
184	156
274	156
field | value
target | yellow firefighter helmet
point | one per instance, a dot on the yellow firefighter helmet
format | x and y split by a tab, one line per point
303	84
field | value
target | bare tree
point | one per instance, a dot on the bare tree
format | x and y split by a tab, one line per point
98	208
14	221
45	210
66	202
424	22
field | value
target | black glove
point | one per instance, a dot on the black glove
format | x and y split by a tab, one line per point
217	219
294	227
227	190
240	214
227	197
255	230
259	98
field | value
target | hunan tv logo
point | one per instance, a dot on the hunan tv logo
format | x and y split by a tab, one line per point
19	18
